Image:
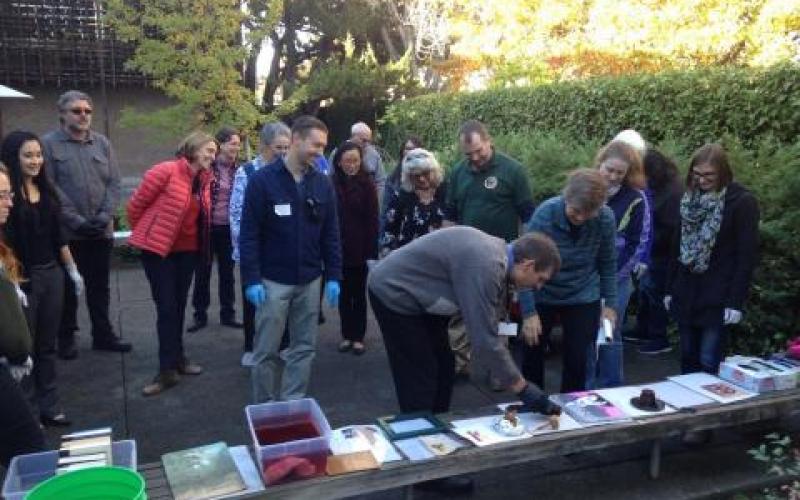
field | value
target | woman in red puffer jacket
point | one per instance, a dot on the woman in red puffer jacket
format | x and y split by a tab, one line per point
169	215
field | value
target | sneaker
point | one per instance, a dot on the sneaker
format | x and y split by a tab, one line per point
187	367
247	359
655	347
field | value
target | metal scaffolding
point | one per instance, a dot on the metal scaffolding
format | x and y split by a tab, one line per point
61	43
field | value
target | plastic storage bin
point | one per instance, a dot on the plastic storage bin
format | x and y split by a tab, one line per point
26	471
281	417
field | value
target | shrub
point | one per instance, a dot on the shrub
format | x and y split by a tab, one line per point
695	106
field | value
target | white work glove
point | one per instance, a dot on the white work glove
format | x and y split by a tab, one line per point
667	301
18	372
639	269
75	276
731	316
23	299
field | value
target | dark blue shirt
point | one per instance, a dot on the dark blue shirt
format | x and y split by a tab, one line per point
289	229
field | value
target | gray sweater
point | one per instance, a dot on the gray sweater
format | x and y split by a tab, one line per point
458	269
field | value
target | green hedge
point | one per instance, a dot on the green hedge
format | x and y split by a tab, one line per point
697	106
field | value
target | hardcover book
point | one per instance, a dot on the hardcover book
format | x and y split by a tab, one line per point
202	472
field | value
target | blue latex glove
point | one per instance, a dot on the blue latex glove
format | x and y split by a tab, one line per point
256	294
332	293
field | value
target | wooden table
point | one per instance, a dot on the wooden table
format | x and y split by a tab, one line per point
404	474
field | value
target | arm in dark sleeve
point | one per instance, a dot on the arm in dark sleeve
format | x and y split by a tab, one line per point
746	226
253	215
15	338
372	225
674	253
331	245
523	201
111	199
392	223
450	202
631	253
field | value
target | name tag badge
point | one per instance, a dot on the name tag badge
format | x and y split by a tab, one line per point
283	210
507	329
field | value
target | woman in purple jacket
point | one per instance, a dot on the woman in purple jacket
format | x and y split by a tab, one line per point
358	223
621	166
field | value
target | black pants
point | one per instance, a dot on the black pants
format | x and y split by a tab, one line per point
170	279
353	303
19	429
93	258
45	290
579	323
422	363
221	248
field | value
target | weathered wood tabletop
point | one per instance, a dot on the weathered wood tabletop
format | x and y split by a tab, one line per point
399	474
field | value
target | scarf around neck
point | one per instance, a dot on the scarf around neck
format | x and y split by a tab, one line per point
701	218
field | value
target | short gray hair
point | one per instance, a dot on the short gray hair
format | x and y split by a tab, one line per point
360	127
273	130
419	161
72	95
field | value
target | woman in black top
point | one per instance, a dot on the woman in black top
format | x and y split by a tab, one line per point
713	258
19	431
358	223
34	233
418	207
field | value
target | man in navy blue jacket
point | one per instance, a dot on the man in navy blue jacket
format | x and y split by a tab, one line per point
289	233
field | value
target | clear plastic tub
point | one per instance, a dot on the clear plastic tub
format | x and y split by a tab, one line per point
26	471
277	423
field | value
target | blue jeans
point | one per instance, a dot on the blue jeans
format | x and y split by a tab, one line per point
702	348
604	366
652	320
299	305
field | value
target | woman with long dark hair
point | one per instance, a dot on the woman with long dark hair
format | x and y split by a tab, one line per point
34	233
358	223
19	431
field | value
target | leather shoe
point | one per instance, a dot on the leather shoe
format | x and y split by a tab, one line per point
162	382
113	344
186	367
456	485
59	420
197	325
67	352
232	323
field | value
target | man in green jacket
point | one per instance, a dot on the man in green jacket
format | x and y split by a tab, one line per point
487	190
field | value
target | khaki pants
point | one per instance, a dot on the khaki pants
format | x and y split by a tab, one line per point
459	343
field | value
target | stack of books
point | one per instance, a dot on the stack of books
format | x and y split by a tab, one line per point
81	450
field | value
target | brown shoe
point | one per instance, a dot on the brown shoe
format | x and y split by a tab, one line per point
161	382
188	368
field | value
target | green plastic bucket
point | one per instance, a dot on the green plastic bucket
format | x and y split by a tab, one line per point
96	483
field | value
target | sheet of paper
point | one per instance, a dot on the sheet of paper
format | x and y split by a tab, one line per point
713	387
441	444
621	398
480	430
355	438
414	450
676	395
412	425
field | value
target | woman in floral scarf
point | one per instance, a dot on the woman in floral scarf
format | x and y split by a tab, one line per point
713	258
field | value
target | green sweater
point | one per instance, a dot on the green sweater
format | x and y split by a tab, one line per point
493	200
15	340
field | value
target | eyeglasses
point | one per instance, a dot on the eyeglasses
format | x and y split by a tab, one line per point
7	195
80	111
703	175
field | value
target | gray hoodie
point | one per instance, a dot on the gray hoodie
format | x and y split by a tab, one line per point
452	270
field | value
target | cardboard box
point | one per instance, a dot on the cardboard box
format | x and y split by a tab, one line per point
757	375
